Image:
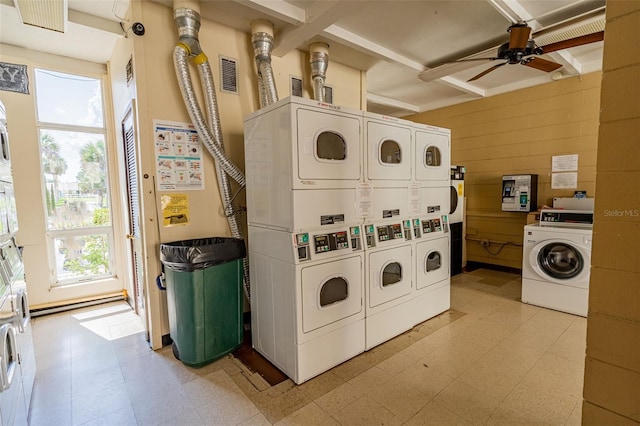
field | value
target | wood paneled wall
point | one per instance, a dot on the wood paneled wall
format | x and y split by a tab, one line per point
518	133
612	365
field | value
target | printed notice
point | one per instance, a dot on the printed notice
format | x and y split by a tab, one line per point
564	180
564	163
364	199
178	156
414	198
175	209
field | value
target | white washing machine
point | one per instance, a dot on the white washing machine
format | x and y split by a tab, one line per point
388	150
556	263
432	155
13	409
307	298
389	280
296	145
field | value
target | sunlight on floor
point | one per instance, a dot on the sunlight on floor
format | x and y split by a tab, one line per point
111	322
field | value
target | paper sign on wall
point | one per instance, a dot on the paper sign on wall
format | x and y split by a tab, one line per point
564	163
178	156
564	180
175	209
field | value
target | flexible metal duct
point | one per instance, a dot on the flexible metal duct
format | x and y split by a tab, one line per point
187	20
319	61
262	42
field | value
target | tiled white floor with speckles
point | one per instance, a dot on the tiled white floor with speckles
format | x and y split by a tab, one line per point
490	360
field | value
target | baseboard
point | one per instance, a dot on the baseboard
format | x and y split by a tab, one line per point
472	266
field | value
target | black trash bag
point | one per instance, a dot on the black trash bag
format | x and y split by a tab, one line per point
201	253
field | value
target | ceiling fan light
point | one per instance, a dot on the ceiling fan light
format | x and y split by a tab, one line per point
47	14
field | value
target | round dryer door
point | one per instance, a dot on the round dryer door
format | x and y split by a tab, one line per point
454	200
561	262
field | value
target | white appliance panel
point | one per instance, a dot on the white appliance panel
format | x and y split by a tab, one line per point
331	292
306	209
430	302
432	157
435	201
390	275
340	160
390	203
388	149
572	300
432	262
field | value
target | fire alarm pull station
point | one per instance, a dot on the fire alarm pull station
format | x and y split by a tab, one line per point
519	193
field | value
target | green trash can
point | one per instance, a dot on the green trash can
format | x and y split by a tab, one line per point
203	279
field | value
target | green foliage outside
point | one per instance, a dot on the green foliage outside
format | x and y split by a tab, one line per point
86	255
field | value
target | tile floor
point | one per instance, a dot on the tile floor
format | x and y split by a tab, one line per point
490	360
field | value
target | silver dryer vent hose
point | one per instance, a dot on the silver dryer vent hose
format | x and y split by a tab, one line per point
210	131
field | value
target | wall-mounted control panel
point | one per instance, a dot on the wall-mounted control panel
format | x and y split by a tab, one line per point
519	193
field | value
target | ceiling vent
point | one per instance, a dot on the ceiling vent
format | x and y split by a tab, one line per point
47	14
228	75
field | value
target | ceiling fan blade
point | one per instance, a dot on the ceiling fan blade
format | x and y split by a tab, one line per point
573	42
519	36
485	72
542	64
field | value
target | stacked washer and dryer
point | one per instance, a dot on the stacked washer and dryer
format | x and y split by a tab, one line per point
337	207
387	228
17	354
303	165
432	237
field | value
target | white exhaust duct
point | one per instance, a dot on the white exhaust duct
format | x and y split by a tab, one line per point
319	61
262	42
187	19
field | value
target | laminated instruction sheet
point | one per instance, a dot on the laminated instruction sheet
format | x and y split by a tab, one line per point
178	156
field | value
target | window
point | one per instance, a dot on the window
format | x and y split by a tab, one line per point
390	152
331	146
74	166
432	157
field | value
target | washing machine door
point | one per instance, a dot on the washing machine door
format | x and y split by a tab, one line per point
331	292
562	262
389	275
433	163
432	262
388	152
328	146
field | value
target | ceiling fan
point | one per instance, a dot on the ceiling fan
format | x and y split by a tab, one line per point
520	49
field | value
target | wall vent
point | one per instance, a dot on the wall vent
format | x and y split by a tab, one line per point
296	86
328	94
228	75
129	70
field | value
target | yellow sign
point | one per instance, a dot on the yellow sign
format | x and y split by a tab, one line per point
175	209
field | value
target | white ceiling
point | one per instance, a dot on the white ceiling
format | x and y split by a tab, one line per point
394	41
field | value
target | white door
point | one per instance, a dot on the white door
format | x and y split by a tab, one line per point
388	152
432	262
390	275
331	291
562	262
432	158
329	146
